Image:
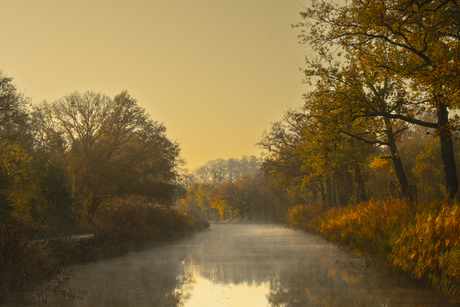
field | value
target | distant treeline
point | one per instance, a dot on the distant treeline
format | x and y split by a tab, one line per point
219	171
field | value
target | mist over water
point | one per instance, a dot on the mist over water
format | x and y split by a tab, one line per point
243	265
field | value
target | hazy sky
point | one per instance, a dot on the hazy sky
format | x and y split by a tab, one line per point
216	73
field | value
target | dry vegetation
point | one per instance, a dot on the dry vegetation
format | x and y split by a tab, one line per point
419	241
28	269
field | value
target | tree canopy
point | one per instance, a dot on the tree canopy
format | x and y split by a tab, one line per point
110	147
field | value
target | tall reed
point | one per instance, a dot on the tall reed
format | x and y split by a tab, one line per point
421	241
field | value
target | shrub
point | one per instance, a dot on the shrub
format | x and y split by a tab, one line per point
26	266
142	224
126	227
302	216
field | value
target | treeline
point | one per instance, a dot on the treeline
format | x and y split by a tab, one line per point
379	120
219	171
298	169
231	189
64	162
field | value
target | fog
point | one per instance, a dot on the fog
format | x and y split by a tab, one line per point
243	265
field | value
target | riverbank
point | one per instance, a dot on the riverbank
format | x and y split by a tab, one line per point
126	229
40	268
421	241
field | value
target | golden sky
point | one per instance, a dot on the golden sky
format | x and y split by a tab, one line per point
216	73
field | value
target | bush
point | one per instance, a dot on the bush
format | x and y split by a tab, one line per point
125	228
26	266
302	216
142	224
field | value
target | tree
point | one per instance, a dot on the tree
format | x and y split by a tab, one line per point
18	187
282	157
422	41
350	98
226	200
15	138
303	152
14	116
110	147
219	171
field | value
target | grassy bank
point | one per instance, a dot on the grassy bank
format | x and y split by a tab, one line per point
37	271
421	241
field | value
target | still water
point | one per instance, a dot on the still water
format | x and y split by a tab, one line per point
243	265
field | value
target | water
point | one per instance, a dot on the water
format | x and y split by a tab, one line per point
243	265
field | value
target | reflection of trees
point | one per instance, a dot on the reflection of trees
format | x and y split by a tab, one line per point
240	257
135	280
312	286
324	281
182	291
320	285
237	273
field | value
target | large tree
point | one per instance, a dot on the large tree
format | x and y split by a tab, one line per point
422	44
15	138
352	99
110	147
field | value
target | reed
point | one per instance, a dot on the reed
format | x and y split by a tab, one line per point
421	241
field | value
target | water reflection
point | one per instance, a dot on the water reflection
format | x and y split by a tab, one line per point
243	265
135	280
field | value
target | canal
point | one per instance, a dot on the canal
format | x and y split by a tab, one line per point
238	264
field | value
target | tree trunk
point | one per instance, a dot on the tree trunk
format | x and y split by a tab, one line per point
334	190
396	158
447	152
329	191
323	194
359	180
314	193
349	185
342	188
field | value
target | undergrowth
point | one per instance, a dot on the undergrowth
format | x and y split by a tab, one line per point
127	228
421	241
28	269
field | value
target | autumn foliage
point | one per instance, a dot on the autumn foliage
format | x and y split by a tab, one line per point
424	245
131	227
143	224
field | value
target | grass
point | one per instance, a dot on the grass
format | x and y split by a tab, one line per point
421	241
